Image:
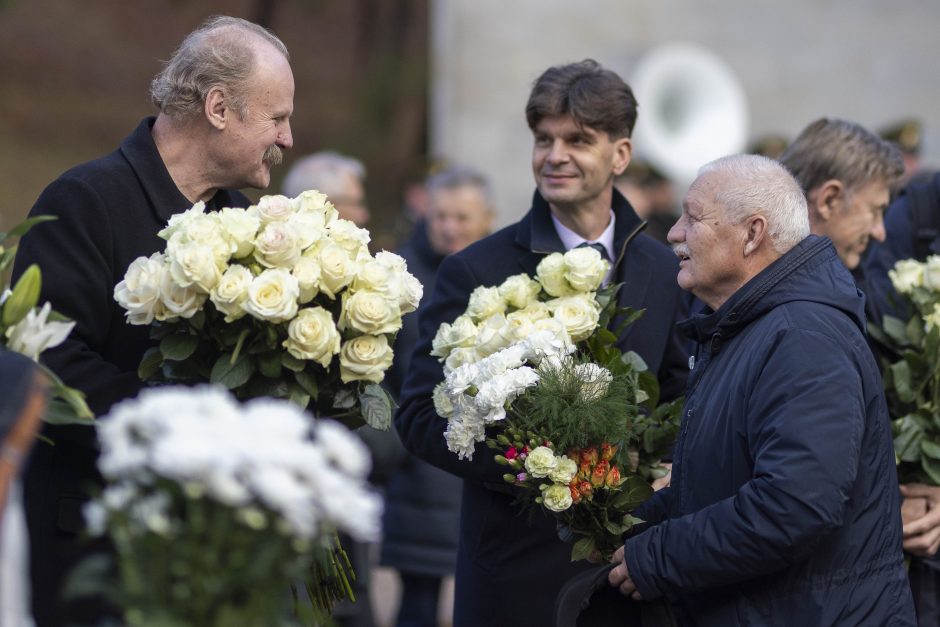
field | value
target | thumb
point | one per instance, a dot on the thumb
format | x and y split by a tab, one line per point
916	489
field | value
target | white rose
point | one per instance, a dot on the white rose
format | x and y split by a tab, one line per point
276	246
595	380
906	275
540	462
932	273
193	264
178	301
272	296
336	269
493	335
462	332
313	336
551	274
411	293
231	292
556	498
365	358
579	314
178	220
375	276
312	201
585	268
564	471
369	312
239	227
307	273
275	208
34	333
205	230
555	327
351	238
308	227
522	322
485	302
461	356
520	290
442	403
139	291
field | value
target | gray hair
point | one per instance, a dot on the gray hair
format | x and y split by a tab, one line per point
323	171
217	54
762	186
842	150
458	176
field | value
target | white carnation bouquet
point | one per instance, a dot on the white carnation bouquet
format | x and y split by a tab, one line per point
531	369
214	506
30	329
280	299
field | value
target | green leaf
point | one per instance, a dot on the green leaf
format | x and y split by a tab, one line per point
308	382
150	364
299	397
23	227
178	347
932	468
901	379
25	296
614	528
60	412
292	363
930	449
582	549
895	329
376	407
908	435
230	375
269	364
632	493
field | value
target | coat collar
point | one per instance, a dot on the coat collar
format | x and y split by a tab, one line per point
165	197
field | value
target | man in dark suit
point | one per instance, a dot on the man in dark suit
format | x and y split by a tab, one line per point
224	100
510	567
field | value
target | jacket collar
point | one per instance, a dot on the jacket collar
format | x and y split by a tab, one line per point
141	153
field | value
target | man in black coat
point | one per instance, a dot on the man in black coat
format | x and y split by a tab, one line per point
224	100
510	567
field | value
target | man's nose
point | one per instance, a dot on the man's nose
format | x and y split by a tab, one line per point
878	231
558	153
284	138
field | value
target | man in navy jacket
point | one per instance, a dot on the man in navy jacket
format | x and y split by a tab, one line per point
783	508
224	100
509	567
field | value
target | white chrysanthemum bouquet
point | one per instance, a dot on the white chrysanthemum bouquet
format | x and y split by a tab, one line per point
280	299
532	370
214	506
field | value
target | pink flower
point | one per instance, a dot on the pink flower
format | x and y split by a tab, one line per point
511	453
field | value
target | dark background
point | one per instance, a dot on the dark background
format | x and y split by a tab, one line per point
74	79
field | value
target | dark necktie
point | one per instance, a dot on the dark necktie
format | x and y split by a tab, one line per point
596	246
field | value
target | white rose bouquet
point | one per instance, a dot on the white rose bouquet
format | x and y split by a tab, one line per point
29	329
912	374
281	299
532	370
213	505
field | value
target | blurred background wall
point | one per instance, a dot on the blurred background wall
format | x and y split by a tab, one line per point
394	82
871	61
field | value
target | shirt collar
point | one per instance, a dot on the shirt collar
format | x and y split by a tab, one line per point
571	239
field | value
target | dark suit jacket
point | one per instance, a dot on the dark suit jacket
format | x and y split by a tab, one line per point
109	212
510	568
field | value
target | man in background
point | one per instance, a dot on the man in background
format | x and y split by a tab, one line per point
224	104
420	526
340	177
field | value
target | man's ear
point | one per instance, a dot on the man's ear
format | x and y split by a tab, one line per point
216	109
756	234
623	152
827	199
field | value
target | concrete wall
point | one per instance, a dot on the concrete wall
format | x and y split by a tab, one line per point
871	61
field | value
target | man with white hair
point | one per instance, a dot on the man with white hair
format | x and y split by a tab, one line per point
338	176
783	508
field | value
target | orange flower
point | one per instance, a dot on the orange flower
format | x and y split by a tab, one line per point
608	451
575	494
600	473
585	470
586	490
613	478
589	455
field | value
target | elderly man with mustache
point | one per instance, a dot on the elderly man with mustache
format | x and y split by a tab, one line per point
224	103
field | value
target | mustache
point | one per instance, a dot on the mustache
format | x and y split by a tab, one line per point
273	155
681	250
